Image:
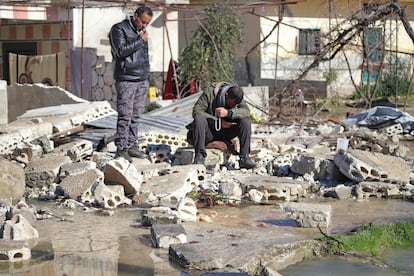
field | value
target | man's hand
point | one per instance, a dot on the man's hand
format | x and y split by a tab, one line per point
144	35
221	112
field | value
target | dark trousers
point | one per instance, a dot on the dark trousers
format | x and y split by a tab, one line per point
204	132
131	101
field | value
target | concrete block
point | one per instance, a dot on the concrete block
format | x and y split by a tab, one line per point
104	196
76	150
158	152
159	215
19	229
273	188
187	210
201	170
309	215
282	163
12	180
368	189
74	185
183	156
359	165
76	168
305	165
163	235
14	251
120	171
172	140
44	171
168	190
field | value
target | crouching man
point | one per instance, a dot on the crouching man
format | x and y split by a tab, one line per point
221	114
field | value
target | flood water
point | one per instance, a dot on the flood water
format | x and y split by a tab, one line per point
86	243
400	262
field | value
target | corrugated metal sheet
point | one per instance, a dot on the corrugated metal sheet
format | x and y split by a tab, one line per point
171	119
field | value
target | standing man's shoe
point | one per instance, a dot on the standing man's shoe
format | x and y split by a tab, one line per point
123	153
246	163
135	151
199	159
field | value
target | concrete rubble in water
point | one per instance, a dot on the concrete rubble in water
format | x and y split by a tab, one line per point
288	173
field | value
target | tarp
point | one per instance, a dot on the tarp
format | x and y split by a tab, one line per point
382	116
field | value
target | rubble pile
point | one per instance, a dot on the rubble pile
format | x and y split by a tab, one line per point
293	164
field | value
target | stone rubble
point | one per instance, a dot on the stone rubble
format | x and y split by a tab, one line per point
170	189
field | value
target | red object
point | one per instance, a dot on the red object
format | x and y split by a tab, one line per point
168	89
192	87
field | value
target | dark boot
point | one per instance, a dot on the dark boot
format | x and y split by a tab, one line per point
123	153
199	159
246	163
135	151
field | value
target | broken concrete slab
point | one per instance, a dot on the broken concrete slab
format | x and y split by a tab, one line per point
169	190
120	171
159	215
14	251
148	169
183	156
273	188
367	189
12	180
217	247
45	170
201	170
158	152
108	197
309	214
187	210
48	121
77	150
74	185
18	229
36	96
76	168
359	165
163	235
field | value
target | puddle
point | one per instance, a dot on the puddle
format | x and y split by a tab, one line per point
90	244
337	267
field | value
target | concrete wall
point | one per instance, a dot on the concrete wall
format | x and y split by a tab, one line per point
21	98
3	103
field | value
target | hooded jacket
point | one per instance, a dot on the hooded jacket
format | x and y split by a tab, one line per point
207	103
129	51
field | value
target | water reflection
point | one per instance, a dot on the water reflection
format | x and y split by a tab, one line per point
401	259
337	267
113	245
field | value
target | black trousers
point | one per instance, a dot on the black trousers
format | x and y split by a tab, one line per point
204	131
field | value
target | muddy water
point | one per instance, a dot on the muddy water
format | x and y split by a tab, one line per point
399	262
85	243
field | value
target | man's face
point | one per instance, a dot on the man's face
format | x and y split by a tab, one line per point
142	21
230	102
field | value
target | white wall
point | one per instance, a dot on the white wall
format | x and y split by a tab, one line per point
290	65
98	22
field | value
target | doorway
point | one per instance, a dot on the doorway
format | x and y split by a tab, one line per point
21	48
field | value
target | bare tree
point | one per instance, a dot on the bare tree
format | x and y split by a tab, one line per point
347	33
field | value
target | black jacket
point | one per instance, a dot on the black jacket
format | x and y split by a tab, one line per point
129	51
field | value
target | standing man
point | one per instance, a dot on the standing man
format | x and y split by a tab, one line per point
129	47
220	114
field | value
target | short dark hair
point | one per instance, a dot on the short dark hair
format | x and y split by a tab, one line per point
235	92
143	9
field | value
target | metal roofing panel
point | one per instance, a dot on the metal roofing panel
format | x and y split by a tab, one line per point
172	118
